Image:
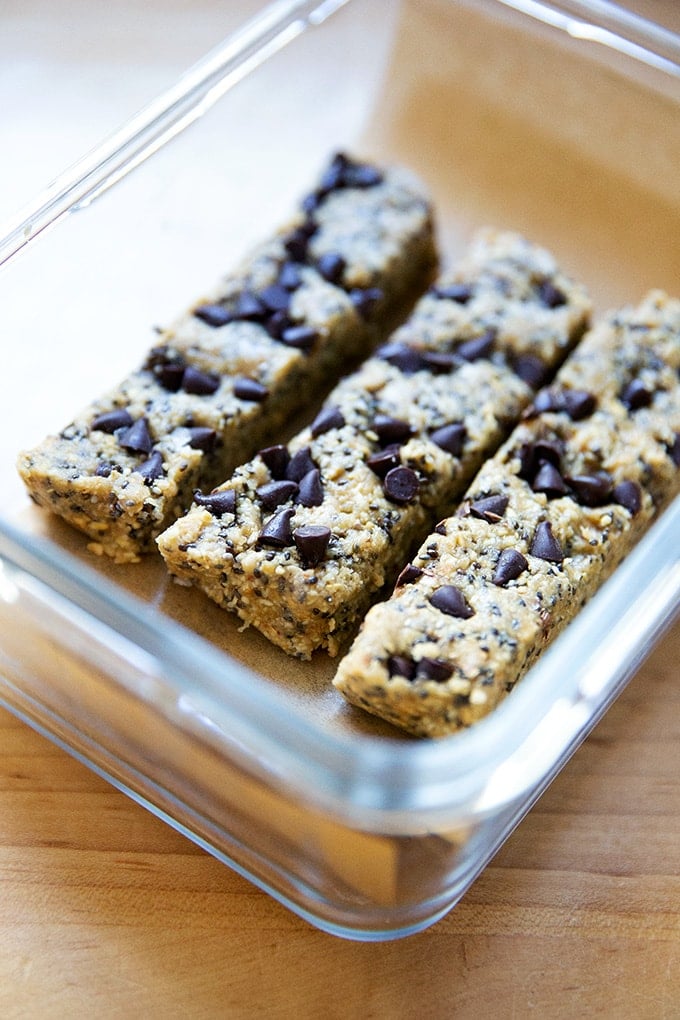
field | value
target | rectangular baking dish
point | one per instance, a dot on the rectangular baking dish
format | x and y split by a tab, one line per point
561	120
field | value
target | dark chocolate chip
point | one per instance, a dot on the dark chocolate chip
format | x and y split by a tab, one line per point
401	484
674	450
273	494
277	531
401	665
361	175
311	541
277	323
202	438
151	468
170	375
331	265
450	438
489	508
290	276
510	565
406	359
277	459
275	297
137	437
458	292
365	299
636	395
311	202
478	347
296	244
302	338
391	430
550	295
311	490
330	417
299	465
549	481
104	469
433	669
551	450
213	315
578	404
531	370
439	362
591	490
544	545
545	400
384	460
200	383
332	177
217	503
109	421
249	307
409	575
628	495
251	390
450	600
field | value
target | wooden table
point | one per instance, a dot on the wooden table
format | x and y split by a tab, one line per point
107	912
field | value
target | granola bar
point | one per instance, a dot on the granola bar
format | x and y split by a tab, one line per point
246	356
542	525
302	538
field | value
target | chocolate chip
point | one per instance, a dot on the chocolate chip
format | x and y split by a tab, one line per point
433	669
547	400
137	437
302	338
290	276
384	460
200	383
406	359
109	421
391	430
458	292
450	600
549	481
202	438
478	347
674	450
273	494
591	490
104	469
330	417
331	265
361	175
549	449
510	565
365	299
636	395
578	404
170	374
401	484
277	459
311	202
628	495
299	465
450	438
277	531
213	315
550	295
311	541
489	508
400	665
531	455
296	244
249	307
275	297
531	370
409	575
277	324
544	545
251	390
439	362
332	176
217	503
311	490
151	468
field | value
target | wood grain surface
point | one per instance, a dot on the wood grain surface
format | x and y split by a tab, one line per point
107	912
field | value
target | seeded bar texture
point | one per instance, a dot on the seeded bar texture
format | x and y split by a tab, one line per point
301	539
543	524
241	361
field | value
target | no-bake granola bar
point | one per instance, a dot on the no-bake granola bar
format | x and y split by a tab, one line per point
543	524
301	539
323	290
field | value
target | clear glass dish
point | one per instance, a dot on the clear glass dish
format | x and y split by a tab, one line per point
368	834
